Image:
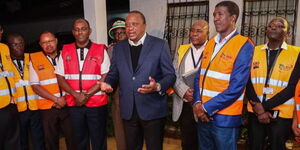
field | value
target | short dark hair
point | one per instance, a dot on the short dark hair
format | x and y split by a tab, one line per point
1	28
140	13
232	8
81	19
14	35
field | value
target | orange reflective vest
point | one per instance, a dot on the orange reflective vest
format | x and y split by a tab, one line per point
215	74
7	84
83	80
297	103
47	77
279	78
26	98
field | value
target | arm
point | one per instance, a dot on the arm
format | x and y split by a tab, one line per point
179	87
238	81
112	77
288	92
250	92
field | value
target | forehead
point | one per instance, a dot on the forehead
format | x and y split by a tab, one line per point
15	38
80	23
46	36
278	21
134	16
221	9
119	29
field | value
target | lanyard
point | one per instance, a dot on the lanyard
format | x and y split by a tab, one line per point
193	57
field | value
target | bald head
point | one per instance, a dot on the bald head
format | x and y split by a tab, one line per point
199	33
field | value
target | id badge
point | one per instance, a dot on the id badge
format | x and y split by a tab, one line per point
268	90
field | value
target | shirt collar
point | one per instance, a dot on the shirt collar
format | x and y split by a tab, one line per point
217	38
202	47
141	41
57	55
283	46
88	46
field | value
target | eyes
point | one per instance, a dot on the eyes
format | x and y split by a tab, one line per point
83	29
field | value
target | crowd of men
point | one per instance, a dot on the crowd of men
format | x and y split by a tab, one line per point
65	92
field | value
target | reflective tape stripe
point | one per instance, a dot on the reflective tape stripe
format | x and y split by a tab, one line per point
49	81
297	106
83	77
298	125
210	93
4	74
31	97
216	75
273	82
22	83
6	91
290	102
57	95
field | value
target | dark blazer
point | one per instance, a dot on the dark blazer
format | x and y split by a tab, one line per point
154	61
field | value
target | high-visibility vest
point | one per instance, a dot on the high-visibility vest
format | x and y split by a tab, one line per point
47	78
7	84
181	53
279	79
26	98
215	74
297	102
83	80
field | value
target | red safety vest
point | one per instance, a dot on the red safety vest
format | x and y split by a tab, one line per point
83	80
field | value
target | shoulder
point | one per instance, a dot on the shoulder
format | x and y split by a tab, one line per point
153	39
99	45
4	48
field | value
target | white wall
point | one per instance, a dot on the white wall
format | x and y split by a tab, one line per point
297	39
155	12
95	13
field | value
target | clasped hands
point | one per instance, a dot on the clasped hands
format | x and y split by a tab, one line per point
200	113
263	116
59	102
146	88
80	98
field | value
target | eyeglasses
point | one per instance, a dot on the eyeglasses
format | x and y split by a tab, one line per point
83	29
46	42
16	44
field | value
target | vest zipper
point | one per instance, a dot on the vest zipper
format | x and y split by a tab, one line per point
80	81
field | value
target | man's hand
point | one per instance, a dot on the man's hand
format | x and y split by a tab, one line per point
104	87
257	107
200	113
265	118
61	101
148	88
296	130
189	95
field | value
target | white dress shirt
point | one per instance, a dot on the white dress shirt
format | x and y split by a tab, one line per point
188	64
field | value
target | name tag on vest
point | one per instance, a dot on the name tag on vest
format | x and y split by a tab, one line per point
268	90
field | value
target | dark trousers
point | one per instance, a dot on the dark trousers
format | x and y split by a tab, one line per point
277	132
31	121
136	129
9	128
188	128
55	121
90	126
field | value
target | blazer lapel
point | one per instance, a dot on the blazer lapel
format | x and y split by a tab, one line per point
127	55
145	51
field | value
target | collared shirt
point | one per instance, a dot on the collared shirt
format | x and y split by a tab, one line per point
34	78
141	41
219	44
188	64
283	46
104	66
19	63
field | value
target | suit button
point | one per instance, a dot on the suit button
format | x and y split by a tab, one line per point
133	78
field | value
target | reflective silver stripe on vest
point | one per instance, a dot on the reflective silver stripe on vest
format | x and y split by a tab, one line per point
57	95
298	107
48	81
4	74
83	77
22	83
210	93
6	91
272	82
31	97
216	75
291	101
298	125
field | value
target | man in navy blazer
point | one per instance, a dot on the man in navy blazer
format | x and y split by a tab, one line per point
143	68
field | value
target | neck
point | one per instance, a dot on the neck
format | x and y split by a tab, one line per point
274	44
17	57
53	55
83	44
197	46
226	33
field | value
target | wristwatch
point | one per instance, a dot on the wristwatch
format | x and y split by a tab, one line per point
158	87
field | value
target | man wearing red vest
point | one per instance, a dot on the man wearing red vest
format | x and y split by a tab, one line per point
270	89
81	65
55	117
220	83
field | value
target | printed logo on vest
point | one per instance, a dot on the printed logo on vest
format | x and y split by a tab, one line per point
255	64
68	58
7	57
41	67
93	58
283	67
224	56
